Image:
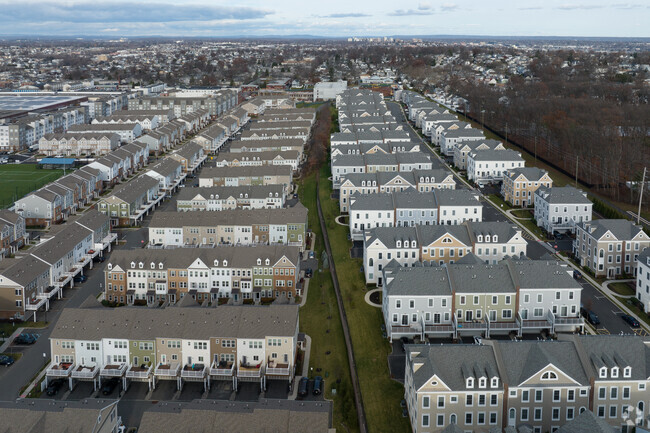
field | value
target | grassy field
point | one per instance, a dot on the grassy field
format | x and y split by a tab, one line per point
319	318
381	394
625	289
16	180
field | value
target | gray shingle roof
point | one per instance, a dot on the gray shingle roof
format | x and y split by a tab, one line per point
418	281
292	215
265	170
563	195
496	155
132	190
622	229
223	192
587	422
532	174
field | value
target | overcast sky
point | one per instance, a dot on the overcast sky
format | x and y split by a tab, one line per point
325	17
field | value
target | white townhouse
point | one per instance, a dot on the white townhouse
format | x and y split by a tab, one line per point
485	166
463	148
450	137
458	206
643	279
437	130
561	208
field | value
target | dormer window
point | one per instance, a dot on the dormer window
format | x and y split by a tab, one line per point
225	263
110	266
487	238
495	238
141	265
602	372
482	382
627	371
216	262
153	265
413	244
614	371
267	262
494	383
133	264
469	382
398	244
160	266
549	375
479	238
259	262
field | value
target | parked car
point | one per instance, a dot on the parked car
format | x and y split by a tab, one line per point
110	385
590	316
577	275
25	339
478	340
309	273
302	386
80	278
631	321
318	385
312	255
54	386
99	259
6	360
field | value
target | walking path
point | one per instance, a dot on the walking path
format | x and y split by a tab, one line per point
367	298
613	292
338	221
305	369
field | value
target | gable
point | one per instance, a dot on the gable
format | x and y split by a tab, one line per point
561	378
434	384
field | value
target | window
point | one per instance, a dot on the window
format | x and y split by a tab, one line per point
469	400
453	399
556	395
480	418
555	414
626	392
571	395
441	401
613	411
602	393
468	418
425	401
600	412
440	420
538	414
494	399
425	420
525	395
481	400
549	375
627	372
524	414
613	393
570	413
539	396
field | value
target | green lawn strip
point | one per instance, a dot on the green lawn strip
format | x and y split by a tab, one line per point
623	289
321	314
635	306
521	213
16	356
8	328
381	394
17	180
499	202
530	225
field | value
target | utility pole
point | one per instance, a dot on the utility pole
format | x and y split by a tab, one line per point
576	171
638	214
535	148
506	132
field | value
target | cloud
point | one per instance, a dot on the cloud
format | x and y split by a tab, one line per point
424	6
407	12
448	7
345	15
627	6
571	7
130	11
530	8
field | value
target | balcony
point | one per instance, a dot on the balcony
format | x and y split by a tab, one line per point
277	369
113	370
194	371
405	330
167	370
438	329
62	369
85	372
250	370
139	372
222	368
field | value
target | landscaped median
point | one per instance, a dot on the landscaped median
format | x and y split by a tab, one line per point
381	395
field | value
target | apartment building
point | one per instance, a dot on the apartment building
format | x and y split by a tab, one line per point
438	244
561	208
519	185
231	197
610	247
464	148
385	182
292	158
643	279
276	134
487	166
239	272
410	208
127	131
244	176
74	144
343	165
183	344
231	227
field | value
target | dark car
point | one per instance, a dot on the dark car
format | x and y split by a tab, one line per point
311	255
99	259
631	321
6	360
54	386
80	278
110	385
318	385
577	275
25	339
309	273
302	386
590	316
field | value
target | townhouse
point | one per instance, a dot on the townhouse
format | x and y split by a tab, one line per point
23	286
12	232
182	344
488	166
196	120
250	146
277	134
111	169
610	247
230	197
215	105
233	227
157	141
191	156
147	122
212	139
365	148
129	202
464	148
343	165
254	107
437	244
369	137
152	276
74	144
270	126
127	131
561	208
292	158
287	116
41	208
438	125
169	174
643	279
410	208
519	185
450	137
384	182
243	176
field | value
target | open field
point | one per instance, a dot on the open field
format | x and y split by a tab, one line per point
17	180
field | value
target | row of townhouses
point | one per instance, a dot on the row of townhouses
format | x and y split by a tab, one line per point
215	105
219	198
292	158
489	242
247	176
180	344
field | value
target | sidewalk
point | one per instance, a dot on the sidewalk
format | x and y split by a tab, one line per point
10	338
305	369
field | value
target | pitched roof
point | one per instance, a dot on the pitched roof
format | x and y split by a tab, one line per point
293	215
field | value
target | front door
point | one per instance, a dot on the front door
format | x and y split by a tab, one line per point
512	417
564	311
405	319
468	315
493	315
135	360
436	318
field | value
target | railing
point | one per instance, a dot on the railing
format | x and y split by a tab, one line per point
569	321
278	371
438	328
119	371
169	370
193	373
504	325
215	370
471	325
534	324
57	370
83	372
249	371
404	329
139	374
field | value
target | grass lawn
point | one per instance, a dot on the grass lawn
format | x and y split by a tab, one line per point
15	356
624	289
320	319
499	202
18	180
8	328
530	225
521	213
381	395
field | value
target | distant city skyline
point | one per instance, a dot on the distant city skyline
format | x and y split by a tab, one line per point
336	18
